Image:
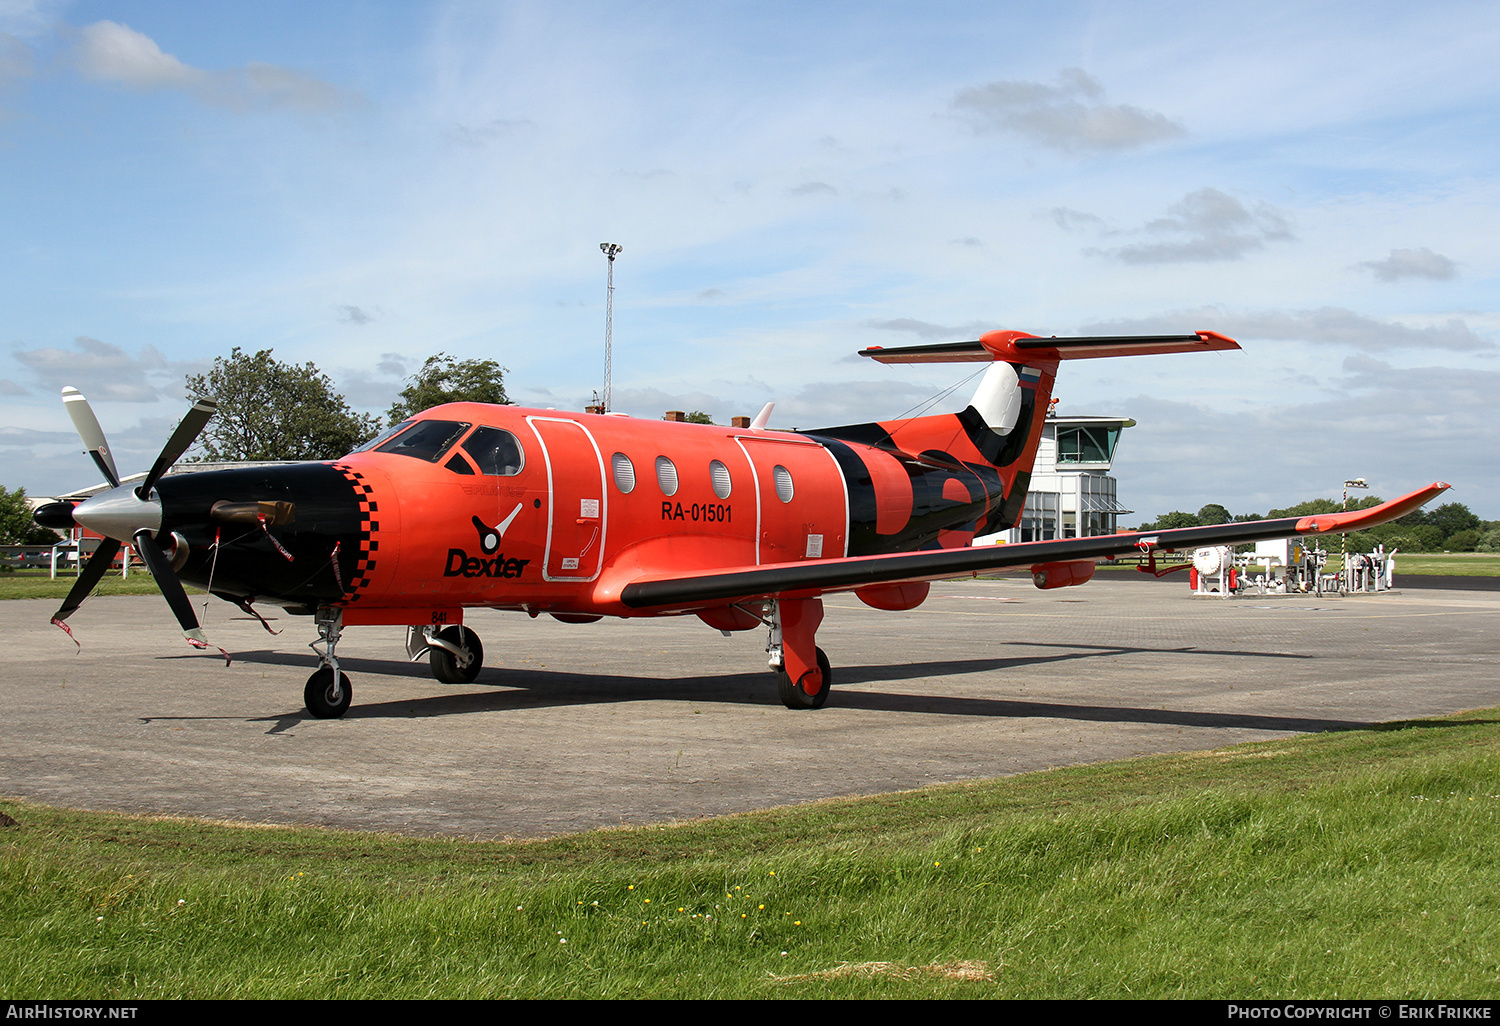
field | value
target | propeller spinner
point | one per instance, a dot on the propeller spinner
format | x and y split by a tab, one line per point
131	514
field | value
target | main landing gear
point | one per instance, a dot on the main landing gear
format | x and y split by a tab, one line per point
803	675
455	654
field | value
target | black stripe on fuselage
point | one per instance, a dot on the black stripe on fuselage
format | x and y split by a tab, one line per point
932	512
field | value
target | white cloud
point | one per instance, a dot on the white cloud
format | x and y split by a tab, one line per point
285	87
1069	116
813	189
1205	225
106	372
110	52
1400	427
1329	324
491	131
15	59
28	18
107	51
1413	263
10	436
1076	220
938	332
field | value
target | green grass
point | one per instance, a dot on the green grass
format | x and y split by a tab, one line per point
1357	864
36	584
1447	564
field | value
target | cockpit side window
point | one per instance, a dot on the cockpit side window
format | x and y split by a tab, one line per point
495	452
425	440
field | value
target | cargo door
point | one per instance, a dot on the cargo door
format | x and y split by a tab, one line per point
802	507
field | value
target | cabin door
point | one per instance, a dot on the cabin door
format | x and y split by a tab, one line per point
576	497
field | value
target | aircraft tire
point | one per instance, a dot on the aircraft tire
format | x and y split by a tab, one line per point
794	696
445	665
317	695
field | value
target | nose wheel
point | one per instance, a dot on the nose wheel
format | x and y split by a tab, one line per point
325	699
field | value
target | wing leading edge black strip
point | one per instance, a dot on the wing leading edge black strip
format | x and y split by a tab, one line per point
1084	341
845	574
975	351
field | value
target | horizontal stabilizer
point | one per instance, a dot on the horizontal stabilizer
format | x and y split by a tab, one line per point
941	352
1017	347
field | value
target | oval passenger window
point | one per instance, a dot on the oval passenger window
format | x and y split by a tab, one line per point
624	472
666	475
783	478
720	475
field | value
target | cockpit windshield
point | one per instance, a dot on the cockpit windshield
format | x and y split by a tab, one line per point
390	432
425	439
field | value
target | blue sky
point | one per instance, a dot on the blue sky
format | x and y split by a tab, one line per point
365	184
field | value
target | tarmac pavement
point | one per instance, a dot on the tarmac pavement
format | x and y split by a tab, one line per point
578	726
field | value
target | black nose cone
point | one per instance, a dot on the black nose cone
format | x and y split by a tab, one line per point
56	515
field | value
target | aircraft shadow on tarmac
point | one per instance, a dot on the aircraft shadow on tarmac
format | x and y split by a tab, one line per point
540	688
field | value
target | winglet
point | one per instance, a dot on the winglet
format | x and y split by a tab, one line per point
1359	519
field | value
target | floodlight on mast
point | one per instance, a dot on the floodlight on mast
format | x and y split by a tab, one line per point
610	250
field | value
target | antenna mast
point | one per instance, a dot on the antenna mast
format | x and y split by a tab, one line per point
610	250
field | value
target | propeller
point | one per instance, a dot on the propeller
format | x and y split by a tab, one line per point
131	514
186	434
92	434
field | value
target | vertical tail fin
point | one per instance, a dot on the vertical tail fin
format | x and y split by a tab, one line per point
986	452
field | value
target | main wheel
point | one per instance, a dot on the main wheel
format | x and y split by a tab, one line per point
795	696
445	664
319	695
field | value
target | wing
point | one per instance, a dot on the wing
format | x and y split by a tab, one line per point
802	579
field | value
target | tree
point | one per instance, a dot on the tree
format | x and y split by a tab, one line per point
1172	521
1462	541
270	410
443	379
1312	507
16	525
699	417
1213	513
1453	517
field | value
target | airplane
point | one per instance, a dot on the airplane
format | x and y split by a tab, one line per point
583	515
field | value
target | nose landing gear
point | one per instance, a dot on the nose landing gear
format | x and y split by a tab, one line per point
328	693
326	699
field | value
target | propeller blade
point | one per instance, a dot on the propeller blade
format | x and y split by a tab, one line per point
186	434
171	588
89	578
92	434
